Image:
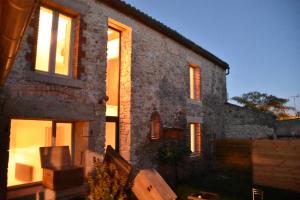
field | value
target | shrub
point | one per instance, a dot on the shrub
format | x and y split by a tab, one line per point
105	183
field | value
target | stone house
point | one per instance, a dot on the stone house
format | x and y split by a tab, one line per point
91	73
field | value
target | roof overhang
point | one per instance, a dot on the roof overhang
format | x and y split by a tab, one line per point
131	11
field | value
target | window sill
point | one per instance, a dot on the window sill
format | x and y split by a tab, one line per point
52	79
194	101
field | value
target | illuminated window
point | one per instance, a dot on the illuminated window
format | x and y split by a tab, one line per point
194	82
195	138
113	72
155	125
26	136
54	43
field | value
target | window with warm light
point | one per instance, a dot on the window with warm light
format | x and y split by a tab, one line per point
54	43
26	136
113	72
194	72
195	138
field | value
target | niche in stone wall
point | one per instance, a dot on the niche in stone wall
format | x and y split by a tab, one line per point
155	126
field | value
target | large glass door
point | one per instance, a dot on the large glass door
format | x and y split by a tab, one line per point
112	88
26	136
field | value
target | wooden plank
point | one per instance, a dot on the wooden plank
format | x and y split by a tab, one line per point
149	185
276	163
112	156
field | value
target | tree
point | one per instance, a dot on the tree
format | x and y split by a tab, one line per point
265	103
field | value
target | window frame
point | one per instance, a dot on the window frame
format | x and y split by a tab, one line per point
196	81
197	138
52	142
74	40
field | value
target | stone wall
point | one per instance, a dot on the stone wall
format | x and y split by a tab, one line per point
245	123
288	128
154	77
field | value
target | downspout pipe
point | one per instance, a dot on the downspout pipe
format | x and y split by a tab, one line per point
15	16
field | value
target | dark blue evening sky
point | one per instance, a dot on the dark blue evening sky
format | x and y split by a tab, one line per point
259	39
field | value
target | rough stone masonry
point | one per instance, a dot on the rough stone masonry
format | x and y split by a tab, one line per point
154	77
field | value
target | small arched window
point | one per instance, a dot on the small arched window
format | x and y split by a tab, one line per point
155	126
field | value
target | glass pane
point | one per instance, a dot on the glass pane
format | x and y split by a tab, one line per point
192	133
112	72
26	136
64	135
63	45
110	134
44	40
192	83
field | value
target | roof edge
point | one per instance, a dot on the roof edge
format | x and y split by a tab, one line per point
160	27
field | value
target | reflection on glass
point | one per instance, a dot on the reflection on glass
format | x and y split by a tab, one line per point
110	134
192	129
44	40
64	135
192	82
63	45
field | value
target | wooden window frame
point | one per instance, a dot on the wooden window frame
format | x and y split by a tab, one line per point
74	39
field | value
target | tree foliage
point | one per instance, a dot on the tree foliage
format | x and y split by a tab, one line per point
265	103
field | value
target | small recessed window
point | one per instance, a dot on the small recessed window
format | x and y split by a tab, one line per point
195	138
54	43
155	126
194	82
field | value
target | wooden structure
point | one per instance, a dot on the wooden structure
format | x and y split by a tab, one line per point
149	185
58	171
112	156
273	163
234	153
276	163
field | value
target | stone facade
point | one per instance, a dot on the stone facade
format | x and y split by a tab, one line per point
245	123
154	77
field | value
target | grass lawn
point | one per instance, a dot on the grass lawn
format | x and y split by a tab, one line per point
229	186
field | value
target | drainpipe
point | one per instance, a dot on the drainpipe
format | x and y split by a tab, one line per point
227	71
15	16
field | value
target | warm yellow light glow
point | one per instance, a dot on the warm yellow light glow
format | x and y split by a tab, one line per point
113	48
113	72
112	110
26	136
192	83
64	135
192	137
63	45
44	40
25	139
110	134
